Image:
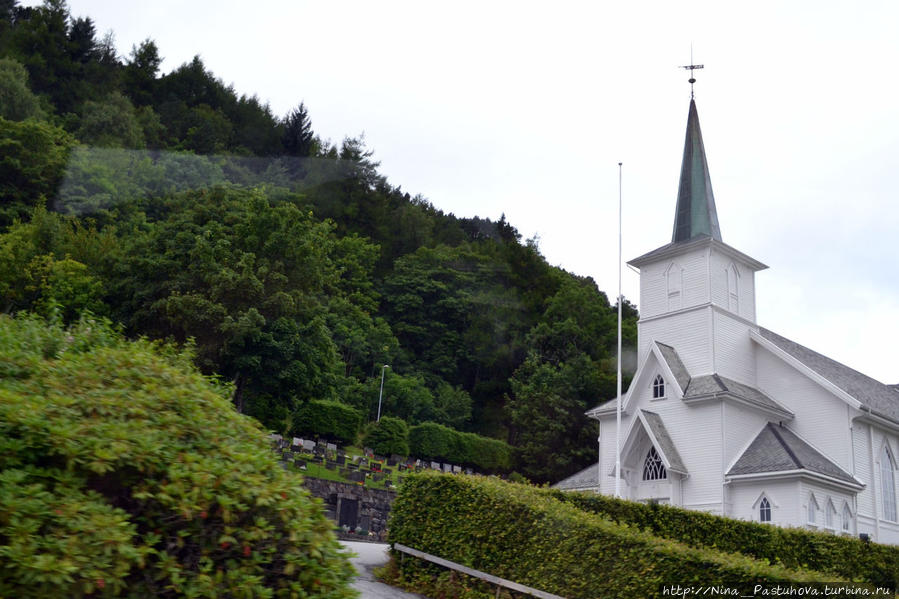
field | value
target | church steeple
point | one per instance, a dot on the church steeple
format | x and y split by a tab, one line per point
695	215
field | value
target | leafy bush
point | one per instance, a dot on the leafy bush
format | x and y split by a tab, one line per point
328	419
523	534
792	547
433	441
389	436
124	472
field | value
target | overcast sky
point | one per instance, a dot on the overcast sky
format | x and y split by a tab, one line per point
526	109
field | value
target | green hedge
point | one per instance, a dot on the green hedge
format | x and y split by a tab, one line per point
327	419
523	534
433	441
124	472
389	436
793	547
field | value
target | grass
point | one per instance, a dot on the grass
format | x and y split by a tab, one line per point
314	470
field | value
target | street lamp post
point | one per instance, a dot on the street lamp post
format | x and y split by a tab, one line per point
381	394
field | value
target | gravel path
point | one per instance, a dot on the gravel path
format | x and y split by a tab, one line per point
370	556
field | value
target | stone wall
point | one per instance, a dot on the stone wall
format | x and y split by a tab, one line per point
354	506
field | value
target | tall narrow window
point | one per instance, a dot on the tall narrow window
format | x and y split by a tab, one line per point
674	277
830	513
812	509
847	518
653	468
733	288
658	387
764	510
888	484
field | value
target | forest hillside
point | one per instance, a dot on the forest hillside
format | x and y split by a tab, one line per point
181	210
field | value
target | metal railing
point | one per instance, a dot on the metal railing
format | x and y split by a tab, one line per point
500	582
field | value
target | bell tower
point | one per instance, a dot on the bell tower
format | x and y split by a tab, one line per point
696	290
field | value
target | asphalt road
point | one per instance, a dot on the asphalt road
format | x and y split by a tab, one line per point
369	557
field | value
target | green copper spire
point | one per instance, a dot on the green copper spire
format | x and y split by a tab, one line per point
695	215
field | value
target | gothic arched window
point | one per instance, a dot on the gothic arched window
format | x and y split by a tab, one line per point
847	518
888	484
733	288
658	387
812	515
764	510
653	468
830	513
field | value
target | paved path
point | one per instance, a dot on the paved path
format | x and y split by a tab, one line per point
369	557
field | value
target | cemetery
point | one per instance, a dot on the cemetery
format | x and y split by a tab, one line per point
356	485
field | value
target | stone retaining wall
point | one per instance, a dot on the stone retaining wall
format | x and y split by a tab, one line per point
354	506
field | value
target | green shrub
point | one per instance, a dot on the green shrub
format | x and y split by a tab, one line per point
124	472
523	534
430	441
433	441
843	556
331	420
389	436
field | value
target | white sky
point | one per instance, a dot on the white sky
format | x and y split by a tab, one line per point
526	108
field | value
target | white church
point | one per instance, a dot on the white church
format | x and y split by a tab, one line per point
726	416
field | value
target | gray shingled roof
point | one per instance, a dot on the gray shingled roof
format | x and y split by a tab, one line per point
874	395
666	443
674	363
714	383
586	478
777	449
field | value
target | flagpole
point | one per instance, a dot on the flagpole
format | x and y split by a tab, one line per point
618	402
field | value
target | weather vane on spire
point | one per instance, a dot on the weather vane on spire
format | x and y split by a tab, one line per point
692	68
692	79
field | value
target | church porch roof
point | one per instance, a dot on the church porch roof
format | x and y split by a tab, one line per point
663	441
777	449
588	478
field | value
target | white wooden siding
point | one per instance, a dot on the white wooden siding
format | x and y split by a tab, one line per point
734	350
820	416
741	426
862	457
654	283
783	496
688	332
718	263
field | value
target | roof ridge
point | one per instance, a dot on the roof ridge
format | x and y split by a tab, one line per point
785	445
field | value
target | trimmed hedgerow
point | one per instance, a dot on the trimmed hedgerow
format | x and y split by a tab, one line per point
793	547
389	436
523	534
124	472
327	419
434	441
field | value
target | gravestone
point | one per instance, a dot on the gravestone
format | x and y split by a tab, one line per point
331	465
435	466
341	460
297	441
309	445
331	447
447	468
457	469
